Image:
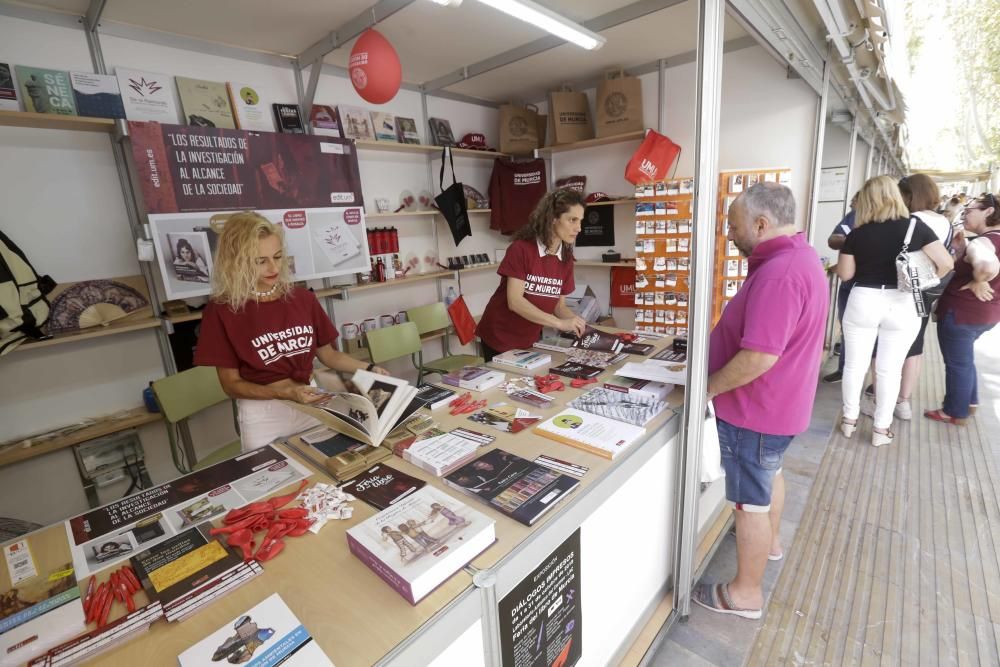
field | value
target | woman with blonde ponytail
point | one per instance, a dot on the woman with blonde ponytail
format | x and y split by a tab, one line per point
261	333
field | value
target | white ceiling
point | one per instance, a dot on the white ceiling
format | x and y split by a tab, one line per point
431	40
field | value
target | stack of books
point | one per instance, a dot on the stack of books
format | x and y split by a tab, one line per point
421	541
474	378
592	433
523	360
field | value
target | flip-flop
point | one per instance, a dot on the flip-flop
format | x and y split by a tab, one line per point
775	557
940	416
715	597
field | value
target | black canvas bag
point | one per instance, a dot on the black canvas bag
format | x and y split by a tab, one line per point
452	202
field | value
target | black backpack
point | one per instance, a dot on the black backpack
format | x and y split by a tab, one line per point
23	306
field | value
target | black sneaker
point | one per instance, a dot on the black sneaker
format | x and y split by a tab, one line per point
833	377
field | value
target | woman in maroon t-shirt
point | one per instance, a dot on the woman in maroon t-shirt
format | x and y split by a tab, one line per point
969	307
535	276
261	333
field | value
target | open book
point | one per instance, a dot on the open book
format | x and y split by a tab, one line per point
383	403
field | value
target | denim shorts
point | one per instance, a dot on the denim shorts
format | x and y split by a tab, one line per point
751	460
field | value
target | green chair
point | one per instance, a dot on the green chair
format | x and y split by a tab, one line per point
182	395
394	342
434	318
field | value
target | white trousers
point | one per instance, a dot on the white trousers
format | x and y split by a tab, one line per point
890	317
263	422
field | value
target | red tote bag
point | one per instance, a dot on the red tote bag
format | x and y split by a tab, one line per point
461	319
653	159
622	286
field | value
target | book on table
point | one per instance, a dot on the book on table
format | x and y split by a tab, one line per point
655	371
381	404
635	409
600	341
382	486
523	359
421	541
433	396
576	371
442	453
657	390
589	432
267	634
519	488
41	605
474	378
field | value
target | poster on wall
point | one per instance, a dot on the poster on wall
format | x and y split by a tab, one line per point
541	618
117	531
185	169
319	243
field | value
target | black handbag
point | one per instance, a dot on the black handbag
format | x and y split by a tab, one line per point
452	202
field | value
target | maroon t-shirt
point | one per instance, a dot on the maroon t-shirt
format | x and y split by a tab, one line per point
515	190
546	278
267	341
967	308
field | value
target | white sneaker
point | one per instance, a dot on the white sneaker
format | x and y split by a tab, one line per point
867	405
903	410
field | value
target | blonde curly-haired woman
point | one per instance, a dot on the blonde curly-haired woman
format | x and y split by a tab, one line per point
262	334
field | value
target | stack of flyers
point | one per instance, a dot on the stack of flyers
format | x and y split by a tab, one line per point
505	418
97	641
565	467
530	396
442	454
185	606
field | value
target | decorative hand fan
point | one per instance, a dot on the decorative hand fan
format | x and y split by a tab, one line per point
475	198
91	303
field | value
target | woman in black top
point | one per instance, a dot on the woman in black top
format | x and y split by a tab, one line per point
877	310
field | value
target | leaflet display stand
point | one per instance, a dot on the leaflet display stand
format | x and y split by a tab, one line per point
730	266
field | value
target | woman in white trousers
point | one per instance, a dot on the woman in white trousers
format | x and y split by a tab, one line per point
877	310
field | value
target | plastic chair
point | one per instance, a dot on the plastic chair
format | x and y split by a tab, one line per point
434	317
394	342
182	395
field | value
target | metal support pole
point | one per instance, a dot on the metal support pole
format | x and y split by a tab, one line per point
710	36
851	152
820	138
661	90
869	161
135	223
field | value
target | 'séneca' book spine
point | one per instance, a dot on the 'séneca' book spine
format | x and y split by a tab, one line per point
399	584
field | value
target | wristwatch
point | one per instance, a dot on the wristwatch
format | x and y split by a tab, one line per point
370	366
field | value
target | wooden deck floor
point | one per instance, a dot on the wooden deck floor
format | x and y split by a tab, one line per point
897	558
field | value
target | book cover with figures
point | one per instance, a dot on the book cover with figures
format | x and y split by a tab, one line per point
250	111
287	118
147	95
433	396
205	103
574	370
46	90
599	341
517	487
635	409
406	130
384	125
97	95
267	634
589	432
441	134
8	89
421	541
355	123
382	486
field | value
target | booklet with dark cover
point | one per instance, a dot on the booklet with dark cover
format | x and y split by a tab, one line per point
381	486
600	341
183	563
573	370
517	487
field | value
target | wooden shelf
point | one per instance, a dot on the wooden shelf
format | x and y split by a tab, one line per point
615	202
477	269
591	143
408	214
590	262
186	317
118	327
12	452
50	121
424	149
335	291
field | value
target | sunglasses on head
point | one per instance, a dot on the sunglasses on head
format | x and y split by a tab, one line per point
989	199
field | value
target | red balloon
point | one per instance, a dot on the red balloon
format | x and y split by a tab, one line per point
374	67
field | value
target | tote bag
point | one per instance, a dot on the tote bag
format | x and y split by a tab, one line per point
462	320
653	159
452	202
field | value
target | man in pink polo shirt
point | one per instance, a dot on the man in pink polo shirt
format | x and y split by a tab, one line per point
763	365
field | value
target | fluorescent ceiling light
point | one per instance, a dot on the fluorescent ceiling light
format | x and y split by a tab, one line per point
549	21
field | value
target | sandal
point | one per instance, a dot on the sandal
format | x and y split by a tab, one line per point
880	438
940	416
776	557
848	426
715	597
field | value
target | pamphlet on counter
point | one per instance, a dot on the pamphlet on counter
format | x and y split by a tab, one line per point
116	532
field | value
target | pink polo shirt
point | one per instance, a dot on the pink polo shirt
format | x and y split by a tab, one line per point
781	309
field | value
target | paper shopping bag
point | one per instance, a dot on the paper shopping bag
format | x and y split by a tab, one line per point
570	113
518	129
619	104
